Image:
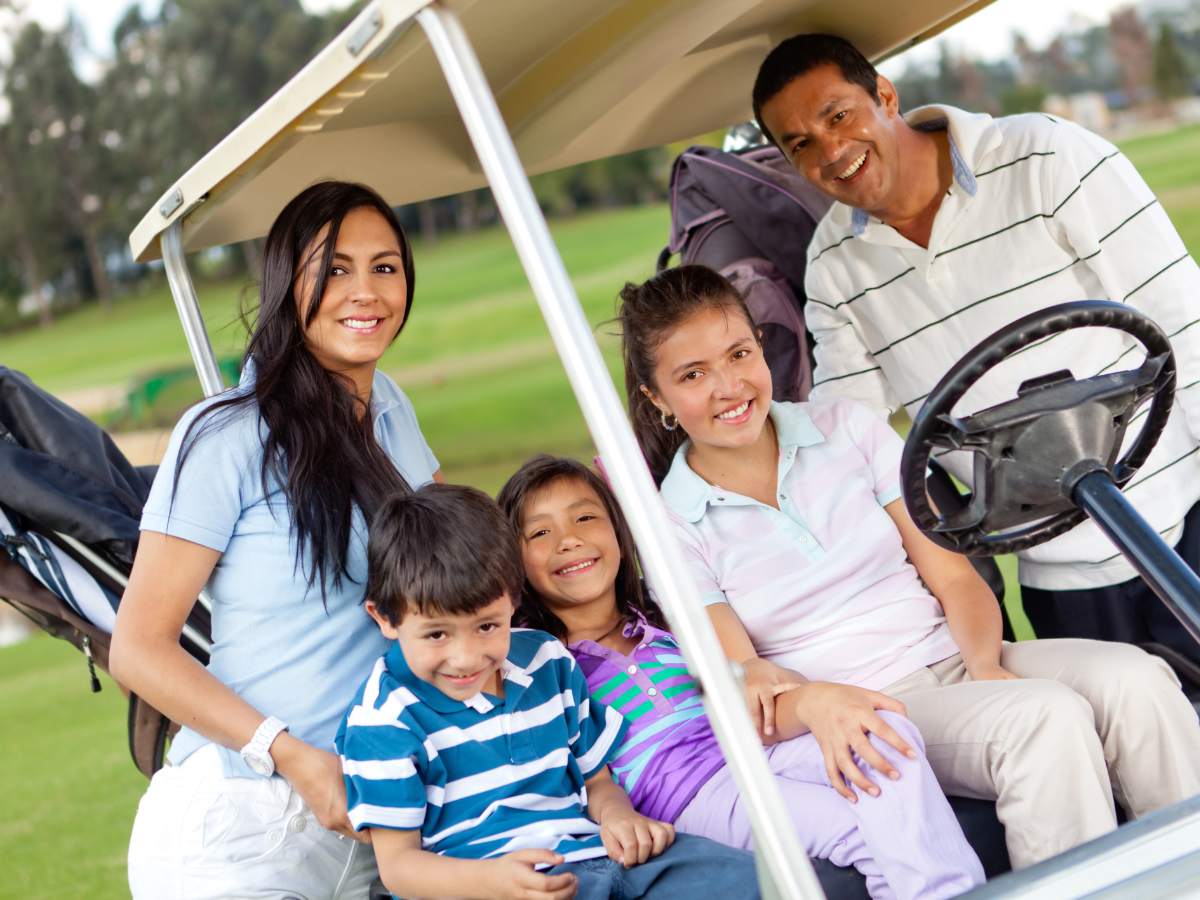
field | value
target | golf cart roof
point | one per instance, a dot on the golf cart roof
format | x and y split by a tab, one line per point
575	82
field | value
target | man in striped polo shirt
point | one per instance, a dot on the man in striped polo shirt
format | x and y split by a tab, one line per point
950	225
473	753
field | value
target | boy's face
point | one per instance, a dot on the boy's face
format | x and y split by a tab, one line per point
460	655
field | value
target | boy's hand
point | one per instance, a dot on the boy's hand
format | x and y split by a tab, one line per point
840	717
630	838
513	877
764	682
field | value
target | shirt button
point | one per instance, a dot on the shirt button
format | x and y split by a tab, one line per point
783	496
641	646
803	539
297	823
722	499
653	692
632	670
273	836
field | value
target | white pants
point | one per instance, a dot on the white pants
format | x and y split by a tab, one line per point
199	835
1086	720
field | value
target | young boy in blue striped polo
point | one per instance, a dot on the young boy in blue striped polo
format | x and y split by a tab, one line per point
473	754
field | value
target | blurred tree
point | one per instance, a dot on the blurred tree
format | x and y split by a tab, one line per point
1172	77
52	107
1131	47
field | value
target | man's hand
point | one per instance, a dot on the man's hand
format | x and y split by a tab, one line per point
630	838
764	682
840	716
513	877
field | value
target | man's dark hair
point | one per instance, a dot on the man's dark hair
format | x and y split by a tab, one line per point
445	549
801	54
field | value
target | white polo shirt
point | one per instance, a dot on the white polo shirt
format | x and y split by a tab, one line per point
822	584
1040	212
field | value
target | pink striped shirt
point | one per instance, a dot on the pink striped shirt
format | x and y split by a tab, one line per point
822	584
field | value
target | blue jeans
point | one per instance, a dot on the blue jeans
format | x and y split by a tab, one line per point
693	868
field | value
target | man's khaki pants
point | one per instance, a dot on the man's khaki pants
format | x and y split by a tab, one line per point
1086	721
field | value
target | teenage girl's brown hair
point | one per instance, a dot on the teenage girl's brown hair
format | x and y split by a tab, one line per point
537	475
649	312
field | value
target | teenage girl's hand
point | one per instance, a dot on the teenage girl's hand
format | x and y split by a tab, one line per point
840	716
764	682
991	672
317	777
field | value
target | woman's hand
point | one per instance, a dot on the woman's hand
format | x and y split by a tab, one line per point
317	777
764	682
840	716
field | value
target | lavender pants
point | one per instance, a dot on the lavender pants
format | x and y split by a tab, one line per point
906	841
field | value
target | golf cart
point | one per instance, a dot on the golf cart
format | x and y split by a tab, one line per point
480	93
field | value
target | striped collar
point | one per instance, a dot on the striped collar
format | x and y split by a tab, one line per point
972	136
686	493
515	677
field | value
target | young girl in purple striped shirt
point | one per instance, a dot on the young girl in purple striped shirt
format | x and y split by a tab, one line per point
582	586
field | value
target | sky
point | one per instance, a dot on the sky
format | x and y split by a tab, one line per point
986	35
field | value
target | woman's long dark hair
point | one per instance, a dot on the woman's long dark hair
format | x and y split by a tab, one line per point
319	441
538	474
649	312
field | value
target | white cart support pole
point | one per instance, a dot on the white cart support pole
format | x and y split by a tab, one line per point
775	835
184	293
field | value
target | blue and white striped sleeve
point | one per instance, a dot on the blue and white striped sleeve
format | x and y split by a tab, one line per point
382	763
598	729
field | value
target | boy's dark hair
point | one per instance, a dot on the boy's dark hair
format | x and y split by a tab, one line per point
648	313
444	549
801	54
539	473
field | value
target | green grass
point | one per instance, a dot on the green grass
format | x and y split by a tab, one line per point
68	790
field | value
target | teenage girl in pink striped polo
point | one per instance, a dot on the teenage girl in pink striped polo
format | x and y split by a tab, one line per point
790	518
582	586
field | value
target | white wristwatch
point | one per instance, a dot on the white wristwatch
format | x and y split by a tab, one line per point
257	753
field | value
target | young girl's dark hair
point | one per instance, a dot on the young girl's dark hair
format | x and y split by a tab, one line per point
649	312
319	440
538	474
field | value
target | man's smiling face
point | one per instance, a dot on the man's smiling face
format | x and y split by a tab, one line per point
837	137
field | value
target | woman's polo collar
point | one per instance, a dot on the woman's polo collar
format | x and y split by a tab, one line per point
688	495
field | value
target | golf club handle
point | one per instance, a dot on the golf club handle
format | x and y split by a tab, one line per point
1158	564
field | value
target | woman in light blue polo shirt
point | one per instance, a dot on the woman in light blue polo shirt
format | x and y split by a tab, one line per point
264	496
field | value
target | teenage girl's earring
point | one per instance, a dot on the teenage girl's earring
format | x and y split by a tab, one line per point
663	417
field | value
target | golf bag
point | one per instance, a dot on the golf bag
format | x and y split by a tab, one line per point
70	505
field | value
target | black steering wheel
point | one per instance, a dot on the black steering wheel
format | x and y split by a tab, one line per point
1030	452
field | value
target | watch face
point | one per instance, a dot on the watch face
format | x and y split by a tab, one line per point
256	764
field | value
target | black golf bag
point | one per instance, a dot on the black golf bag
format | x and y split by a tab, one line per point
70	505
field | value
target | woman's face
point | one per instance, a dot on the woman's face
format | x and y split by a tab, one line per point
365	294
569	546
710	372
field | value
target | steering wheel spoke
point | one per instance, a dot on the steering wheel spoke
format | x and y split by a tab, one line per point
1031	451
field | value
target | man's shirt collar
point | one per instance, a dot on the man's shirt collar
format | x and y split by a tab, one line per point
515	677
687	494
972	137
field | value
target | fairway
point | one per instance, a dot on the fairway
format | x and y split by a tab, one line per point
477	362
